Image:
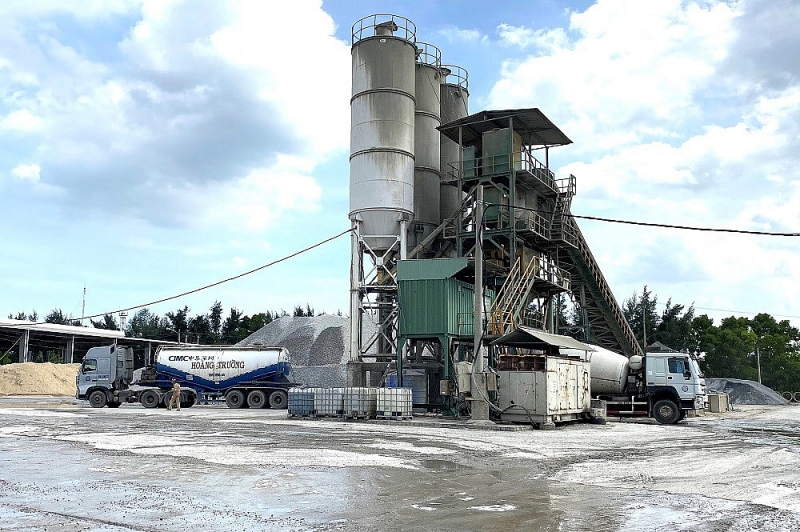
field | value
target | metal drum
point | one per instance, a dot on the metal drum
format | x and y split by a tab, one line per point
382	127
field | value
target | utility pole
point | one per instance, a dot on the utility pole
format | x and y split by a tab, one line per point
758	363
479	403
644	326
83	304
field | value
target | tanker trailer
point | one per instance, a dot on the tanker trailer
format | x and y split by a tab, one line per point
252	376
662	385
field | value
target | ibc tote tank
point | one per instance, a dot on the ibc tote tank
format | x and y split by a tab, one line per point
382	126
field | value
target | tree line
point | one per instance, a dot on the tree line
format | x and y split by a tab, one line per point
210	328
735	348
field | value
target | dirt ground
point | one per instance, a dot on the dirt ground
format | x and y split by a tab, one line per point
67	467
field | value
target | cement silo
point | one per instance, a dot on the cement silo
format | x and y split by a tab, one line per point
454	105
382	116
427	175
382	128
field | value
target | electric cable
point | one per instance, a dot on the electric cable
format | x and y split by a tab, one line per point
211	285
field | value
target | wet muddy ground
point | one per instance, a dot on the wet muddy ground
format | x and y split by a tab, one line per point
66	467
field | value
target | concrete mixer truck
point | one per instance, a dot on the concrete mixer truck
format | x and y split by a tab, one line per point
663	385
252	377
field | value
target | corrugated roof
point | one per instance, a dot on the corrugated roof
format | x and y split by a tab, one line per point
531	124
536	339
418	269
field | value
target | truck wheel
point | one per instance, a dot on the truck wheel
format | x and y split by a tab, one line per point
149	399
256	399
666	412
97	399
188	399
235	399
278	399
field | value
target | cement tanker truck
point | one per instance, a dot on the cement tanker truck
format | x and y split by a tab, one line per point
662	385
252	377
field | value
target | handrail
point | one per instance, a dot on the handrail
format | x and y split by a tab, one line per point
383	25
428	54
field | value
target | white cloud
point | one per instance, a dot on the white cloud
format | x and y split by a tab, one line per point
456	35
27	171
20	120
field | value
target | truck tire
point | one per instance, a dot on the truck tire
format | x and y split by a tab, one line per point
235	399
188	399
278	399
666	412
98	399
256	399
149	399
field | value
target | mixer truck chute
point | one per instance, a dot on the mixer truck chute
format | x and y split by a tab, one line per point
252	377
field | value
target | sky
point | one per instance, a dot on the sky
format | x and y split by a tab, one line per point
152	147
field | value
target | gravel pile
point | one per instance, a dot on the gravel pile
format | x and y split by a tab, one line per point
30	378
744	392
317	346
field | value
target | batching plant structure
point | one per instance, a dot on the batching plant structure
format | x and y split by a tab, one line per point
440	199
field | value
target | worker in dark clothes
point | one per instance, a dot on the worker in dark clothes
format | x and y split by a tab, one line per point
176	396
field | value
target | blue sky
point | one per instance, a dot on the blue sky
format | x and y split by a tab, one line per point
148	148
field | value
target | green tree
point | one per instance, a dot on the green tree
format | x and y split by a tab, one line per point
57	316
146	324
675	328
640	311
215	319
179	321
108	322
232	330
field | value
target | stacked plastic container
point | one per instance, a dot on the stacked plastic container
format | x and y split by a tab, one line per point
360	402
301	402
394	403
328	402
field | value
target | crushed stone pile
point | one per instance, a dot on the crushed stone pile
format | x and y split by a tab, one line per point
744	392
316	344
32	378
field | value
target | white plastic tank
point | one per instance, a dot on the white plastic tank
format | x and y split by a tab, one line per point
427	176
454	94
382	126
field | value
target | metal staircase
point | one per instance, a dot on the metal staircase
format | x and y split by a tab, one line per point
512	297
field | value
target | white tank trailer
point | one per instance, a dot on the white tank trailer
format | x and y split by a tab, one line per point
252	376
666	386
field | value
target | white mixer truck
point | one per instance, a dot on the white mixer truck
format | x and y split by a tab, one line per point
663	385
252	377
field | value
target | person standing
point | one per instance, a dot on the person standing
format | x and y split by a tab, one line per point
176	396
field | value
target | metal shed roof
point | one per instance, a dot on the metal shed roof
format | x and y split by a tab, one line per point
536	339
531	124
418	269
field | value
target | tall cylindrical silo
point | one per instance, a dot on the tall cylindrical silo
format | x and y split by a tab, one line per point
454	105
427	155
382	127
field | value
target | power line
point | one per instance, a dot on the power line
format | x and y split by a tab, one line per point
746	312
211	285
684	227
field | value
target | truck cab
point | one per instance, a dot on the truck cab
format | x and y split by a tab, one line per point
103	371
674	384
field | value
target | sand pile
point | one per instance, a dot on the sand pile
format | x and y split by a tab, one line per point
317	346
30	378
744	392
